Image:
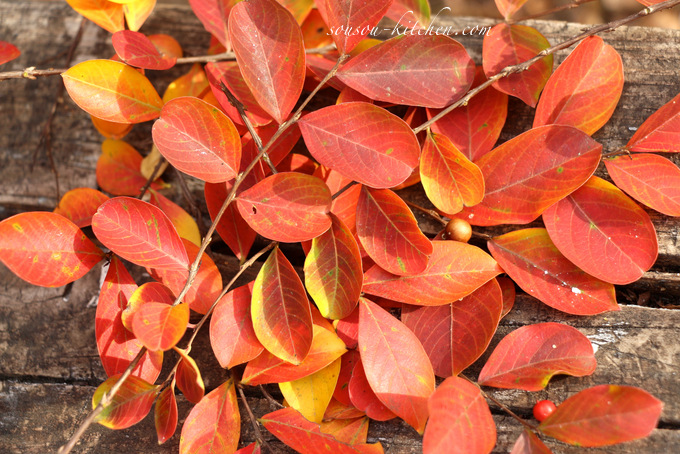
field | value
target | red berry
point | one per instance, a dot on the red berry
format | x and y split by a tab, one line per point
543	409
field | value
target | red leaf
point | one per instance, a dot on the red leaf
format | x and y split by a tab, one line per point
213	14
232	228
78	205
528	357
198	139
350	21
363	398
529	443
280	310
207	284
603	232
585	88
390	234
416	70
326	347
449	179
189	379
351	431
159	326
532	260
141	233
46	249
106	14
475	127
8	52
166	45
460	420
232	336
214	424
508	8
405	12
508	289
165	414
348	329
396	365
347	362
136	49
604	415
659	132
228	72
253	448
305	437
130	405
287	207
271	54
508	45
314	30
455	270
112	91
185	225
117	346
118	169
145	293
455	335
648	178
337	410
352	139
333	274
546	164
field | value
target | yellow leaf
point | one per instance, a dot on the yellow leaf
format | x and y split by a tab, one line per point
107	15
310	395
137	11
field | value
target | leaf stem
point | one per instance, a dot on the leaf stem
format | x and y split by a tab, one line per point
563	45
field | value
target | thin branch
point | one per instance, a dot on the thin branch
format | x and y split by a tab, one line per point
563	45
253	420
152	178
31	73
343	189
557	9
433	214
619	151
273	402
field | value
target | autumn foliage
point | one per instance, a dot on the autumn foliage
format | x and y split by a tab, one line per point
381	309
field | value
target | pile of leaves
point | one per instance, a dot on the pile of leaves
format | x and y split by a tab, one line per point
381	309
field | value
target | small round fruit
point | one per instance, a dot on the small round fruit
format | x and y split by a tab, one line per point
543	409
458	230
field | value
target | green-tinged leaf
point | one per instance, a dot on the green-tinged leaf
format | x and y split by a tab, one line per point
46	249
530	356
130	405
112	91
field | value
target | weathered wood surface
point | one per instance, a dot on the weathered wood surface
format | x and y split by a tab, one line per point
49	361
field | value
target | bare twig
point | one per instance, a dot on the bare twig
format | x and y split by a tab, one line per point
273	402
152	177
563	45
31	73
433	214
557	9
253	420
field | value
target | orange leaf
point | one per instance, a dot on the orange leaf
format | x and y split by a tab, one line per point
80	204
165	414
130	405
159	326
189	379
108	15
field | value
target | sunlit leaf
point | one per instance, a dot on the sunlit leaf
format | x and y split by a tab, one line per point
189	379
584	90
160	326
363	397
351	138
280	310
474	128
315	33
305	437
460	420
165	414
214	424
268	45
532	260
348	329
603	232
530	356
130	405
112	91
333	274
508	8
232	336
390	234
326	347
108	15
118	169
416	70
137	11
141	233
648	178
232	228
350	21
455	335
8	52
529	443
46	249
450	180
117	346
198	139
145	293
396	364
532	171
137	50
79	205
660	132
455	270
184	224
310	395
604	415
508	45
193	83
287	207
351	431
